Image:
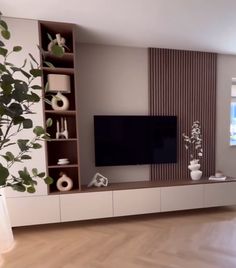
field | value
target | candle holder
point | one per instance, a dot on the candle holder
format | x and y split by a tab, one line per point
62	131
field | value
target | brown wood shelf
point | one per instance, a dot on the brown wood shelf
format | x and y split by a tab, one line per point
66	56
151	184
58	70
68	112
56	192
65	65
64	140
64	166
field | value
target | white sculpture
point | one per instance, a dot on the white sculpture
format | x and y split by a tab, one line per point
60	41
98	180
62	131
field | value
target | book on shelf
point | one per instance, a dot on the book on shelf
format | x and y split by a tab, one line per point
213	178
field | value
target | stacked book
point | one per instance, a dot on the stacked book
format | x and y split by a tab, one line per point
217	178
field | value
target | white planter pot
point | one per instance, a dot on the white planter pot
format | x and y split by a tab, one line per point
6	235
195	173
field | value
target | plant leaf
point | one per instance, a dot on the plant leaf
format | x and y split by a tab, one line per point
49	122
3	51
49	64
57	50
41	175
4	173
17	48
36	87
23	144
6	34
38	130
31	190
35	171
36	72
19	187
48	180
26	157
27	123
49	37
36	146
33	59
3	25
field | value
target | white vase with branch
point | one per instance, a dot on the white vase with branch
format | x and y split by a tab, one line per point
193	143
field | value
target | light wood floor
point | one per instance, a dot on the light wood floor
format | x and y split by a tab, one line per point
190	239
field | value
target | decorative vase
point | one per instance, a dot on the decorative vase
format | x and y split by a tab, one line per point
6	234
64	183
195	173
60	98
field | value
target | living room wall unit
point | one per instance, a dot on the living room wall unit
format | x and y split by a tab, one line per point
112	80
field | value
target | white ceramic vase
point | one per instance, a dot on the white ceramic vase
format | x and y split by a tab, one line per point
6	234
195	173
60	98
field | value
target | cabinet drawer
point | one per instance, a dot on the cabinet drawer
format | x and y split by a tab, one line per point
220	194
138	201
181	197
85	206
33	210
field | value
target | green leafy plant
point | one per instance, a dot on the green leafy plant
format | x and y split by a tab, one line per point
17	97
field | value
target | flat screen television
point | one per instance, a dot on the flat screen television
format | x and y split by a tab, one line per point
133	140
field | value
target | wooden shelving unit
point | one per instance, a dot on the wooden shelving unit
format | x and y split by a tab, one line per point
66	65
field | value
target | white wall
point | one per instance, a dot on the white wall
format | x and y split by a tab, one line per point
25	33
112	81
225	154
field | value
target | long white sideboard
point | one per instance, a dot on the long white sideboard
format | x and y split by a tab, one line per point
105	203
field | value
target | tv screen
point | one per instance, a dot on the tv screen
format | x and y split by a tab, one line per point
132	140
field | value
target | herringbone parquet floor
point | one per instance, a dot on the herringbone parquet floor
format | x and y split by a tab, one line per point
190	239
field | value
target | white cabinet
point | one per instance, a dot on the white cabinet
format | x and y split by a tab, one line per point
85	206
136	201
33	210
181	197
220	194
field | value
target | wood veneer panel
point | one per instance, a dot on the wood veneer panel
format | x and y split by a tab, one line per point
183	83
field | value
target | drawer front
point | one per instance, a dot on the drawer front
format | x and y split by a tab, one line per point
136	201
181	197
220	194
86	206
33	210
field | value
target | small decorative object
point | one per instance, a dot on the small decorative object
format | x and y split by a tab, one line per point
59	98
62	131
63	161
193	143
219	176
60	41
64	183
98	180
59	83
195	173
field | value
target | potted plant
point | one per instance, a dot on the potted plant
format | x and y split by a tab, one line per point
193	143
18	95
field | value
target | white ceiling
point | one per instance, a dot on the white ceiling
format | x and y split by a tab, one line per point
205	25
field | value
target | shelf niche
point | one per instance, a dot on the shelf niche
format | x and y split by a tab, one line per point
66	65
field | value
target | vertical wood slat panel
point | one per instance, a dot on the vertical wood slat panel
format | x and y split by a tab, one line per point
183	83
